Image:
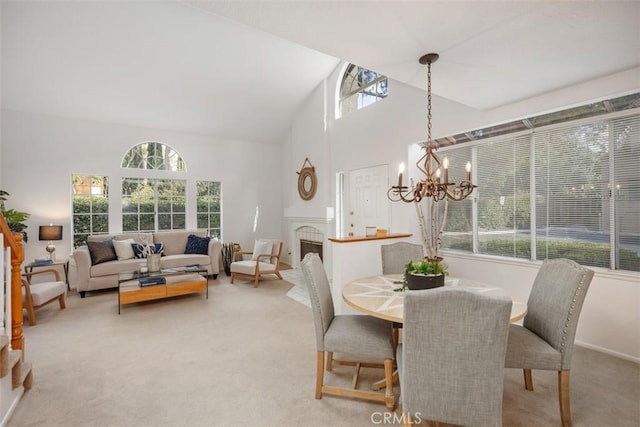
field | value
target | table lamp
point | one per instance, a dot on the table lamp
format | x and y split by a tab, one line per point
50	232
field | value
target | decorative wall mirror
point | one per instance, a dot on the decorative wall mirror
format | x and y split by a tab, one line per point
307	181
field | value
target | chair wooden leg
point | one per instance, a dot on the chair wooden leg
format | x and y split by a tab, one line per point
528	379
319	374
255	282
396	339
62	301
563	395
233	276
330	361
389	399
31	312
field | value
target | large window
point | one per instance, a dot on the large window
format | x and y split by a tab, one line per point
153	204
149	203
360	87
208	203
569	189
90	202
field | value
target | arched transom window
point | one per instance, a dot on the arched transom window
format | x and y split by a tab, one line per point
153	155
360	87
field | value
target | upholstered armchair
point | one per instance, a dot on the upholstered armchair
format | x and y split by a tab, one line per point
36	295
264	259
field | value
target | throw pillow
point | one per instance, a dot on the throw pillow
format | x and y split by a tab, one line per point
123	248
262	247
141	251
197	245
101	251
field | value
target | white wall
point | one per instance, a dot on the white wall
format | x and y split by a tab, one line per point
609	320
40	153
382	133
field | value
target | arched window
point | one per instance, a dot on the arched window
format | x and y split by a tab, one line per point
360	87
153	155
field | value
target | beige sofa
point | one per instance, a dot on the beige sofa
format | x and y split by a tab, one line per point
85	277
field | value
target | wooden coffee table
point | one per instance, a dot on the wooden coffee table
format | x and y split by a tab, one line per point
178	281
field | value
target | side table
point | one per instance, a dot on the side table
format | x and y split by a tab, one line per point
28	268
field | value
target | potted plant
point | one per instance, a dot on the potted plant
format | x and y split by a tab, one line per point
424	274
429	272
15	219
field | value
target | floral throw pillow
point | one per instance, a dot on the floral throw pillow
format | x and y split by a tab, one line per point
197	245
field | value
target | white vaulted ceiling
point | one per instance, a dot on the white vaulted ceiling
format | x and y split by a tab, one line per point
240	69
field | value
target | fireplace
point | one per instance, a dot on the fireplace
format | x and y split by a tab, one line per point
310	239
307	246
308	224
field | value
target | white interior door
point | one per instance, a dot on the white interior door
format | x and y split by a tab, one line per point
368	202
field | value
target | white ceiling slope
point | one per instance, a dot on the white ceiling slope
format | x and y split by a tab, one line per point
241	69
161	65
492	53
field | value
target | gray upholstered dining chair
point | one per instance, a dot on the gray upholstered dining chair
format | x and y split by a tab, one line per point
356	337
396	255
545	339
451	360
394	259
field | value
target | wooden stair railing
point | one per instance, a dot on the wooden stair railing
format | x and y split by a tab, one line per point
14	241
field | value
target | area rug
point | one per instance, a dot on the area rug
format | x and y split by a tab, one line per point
299	290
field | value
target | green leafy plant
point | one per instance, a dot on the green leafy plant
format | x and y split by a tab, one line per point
422	266
425	266
15	219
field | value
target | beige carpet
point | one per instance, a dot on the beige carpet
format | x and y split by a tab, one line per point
245	356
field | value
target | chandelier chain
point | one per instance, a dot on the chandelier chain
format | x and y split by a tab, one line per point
429	102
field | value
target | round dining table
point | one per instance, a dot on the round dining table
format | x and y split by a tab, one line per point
382	297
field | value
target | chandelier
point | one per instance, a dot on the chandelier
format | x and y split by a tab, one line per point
435	183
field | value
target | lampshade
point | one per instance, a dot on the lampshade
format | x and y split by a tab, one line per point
50	232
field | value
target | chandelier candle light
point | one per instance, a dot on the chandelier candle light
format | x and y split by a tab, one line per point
431	165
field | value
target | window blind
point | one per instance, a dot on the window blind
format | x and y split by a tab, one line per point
570	190
625	191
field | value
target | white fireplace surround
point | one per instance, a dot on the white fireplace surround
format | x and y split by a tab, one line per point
300	227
